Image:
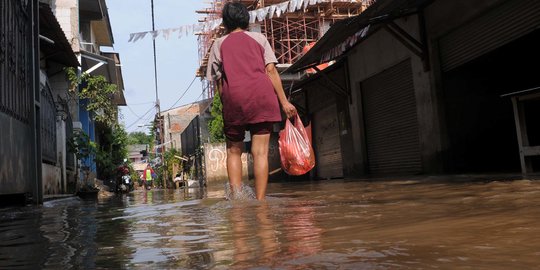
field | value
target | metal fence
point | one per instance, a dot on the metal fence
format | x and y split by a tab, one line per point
70	157
14	59
48	126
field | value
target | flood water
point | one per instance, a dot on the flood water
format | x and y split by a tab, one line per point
333	224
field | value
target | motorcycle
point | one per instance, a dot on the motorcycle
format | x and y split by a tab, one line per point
126	184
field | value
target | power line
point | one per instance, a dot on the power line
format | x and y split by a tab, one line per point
142	103
183	94
136	121
185	91
194	102
133	111
155	64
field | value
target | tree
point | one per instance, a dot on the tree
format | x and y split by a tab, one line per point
215	125
112	148
98	91
119	144
81	145
111	151
171	159
138	137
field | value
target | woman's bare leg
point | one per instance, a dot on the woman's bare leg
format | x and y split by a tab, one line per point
259	150
234	164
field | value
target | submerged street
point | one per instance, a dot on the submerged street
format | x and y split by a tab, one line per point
334	224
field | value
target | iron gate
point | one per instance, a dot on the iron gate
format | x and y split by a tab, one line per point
48	126
19	156
15	59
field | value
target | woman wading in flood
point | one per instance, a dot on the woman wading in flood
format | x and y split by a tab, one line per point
245	63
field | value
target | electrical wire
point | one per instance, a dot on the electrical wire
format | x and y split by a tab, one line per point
131	110
183	94
136	121
185	91
194	102
142	103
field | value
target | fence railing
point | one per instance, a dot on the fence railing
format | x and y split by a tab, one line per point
70	157
48	126
14	60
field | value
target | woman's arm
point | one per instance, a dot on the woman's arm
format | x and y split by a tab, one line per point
213	68
288	108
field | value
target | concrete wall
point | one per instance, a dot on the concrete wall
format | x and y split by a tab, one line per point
176	120
61	149
67	14
16	156
215	161
382	51
52	179
215	157
274	161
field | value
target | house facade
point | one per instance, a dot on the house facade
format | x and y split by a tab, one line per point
87	26
56	54
186	130
417	85
176	120
19	100
38	112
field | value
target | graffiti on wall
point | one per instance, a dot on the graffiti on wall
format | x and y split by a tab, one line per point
216	161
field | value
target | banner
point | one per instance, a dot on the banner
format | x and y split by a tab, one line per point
260	15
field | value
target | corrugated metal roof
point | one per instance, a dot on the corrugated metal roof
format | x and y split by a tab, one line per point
49	27
530	91
340	35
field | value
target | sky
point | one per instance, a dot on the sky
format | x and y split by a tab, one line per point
177	58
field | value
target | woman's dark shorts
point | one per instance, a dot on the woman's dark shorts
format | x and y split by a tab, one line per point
236	133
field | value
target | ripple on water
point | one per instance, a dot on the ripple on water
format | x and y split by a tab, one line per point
311	225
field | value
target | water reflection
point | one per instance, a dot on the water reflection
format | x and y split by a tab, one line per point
317	225
301	230
254	236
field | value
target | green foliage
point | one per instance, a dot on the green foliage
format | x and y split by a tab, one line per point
80	145
139	137
112	151
119	147
113	138
99	93
215	125
134	174
105	165
170	157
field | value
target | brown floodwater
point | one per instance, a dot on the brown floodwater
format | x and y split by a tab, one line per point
333	224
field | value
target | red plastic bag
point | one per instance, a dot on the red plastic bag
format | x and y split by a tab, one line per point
297	156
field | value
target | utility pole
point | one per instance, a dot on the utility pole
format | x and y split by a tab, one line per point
159	126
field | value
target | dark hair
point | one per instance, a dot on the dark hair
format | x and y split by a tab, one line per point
235	15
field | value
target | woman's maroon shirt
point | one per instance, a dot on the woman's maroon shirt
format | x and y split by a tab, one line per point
248	96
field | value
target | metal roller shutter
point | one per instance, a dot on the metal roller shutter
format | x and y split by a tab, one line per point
391	123
499	26
327	143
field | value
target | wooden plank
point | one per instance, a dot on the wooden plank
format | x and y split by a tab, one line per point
519	138
529	97
531	151
521	130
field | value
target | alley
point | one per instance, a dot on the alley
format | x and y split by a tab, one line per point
123	121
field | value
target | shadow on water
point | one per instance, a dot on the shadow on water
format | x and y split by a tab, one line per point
406	224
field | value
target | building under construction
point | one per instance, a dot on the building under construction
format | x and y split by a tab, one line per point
290	33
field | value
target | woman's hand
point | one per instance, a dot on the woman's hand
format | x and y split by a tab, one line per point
288	109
